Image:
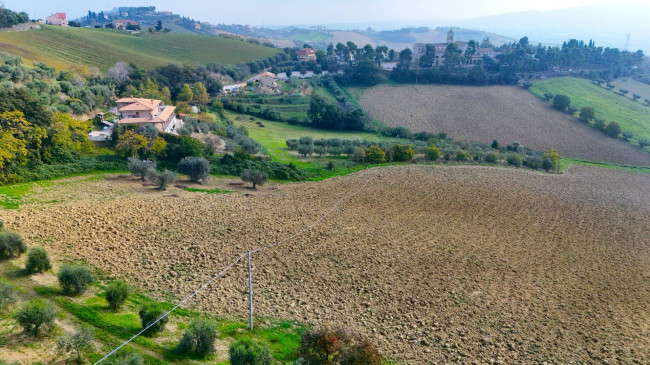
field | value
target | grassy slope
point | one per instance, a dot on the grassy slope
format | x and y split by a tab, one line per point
112	328
274	134
632	116
634	87
60	47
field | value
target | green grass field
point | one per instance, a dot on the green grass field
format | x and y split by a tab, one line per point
309	36
60	47
273	136
633	116
634	87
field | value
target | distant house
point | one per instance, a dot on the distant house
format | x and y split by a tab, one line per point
138	111
57	19
420	49
268	81
122	24
306	54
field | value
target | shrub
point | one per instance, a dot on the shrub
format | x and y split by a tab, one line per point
361	352
7	295
199	338
495	145
547	164
140	167
548	96
587	113
11	245
402	152
37	260
35	315
197	168
149	313
75	279
323	345
492	157
599	124
162	179
561	102
613	129
644	143
125	357
513	159
256	177
247	352
241	153
463	155
572	110
533	162
374	154
359	154
433	153
116	293
79	341
627	135
554	157
306	140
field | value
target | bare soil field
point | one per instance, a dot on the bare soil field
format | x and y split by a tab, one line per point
435	264
483	114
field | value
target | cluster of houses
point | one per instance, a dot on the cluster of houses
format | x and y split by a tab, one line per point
138	112
420	49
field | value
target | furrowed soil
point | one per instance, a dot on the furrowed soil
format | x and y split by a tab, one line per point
507	114
434	264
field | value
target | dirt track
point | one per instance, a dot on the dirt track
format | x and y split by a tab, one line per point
505	113
434	263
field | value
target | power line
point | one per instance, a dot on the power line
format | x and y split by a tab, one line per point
227	268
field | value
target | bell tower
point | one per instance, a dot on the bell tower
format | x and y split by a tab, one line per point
450	36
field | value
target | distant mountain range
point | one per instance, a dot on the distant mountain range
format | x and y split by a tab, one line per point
608	24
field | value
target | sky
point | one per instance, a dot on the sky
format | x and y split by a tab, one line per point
302	12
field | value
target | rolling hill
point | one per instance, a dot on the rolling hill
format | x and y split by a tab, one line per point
610	106
60	47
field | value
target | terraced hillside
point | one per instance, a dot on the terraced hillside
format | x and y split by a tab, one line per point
60	47
507	114
435	264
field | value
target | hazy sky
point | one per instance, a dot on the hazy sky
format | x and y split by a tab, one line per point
283	12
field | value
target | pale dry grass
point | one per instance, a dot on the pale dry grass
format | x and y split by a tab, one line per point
434	264
483	114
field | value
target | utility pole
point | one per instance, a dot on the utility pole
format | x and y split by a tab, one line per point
250	293
340	216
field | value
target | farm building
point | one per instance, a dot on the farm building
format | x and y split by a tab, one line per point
137	111
57	19
306	54
123	24
268	81
420	49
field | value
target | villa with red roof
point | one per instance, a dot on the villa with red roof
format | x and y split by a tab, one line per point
139	111
57	19
306	54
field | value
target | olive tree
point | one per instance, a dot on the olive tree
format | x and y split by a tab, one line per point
199	338
247	352
75	279
162	179
7	295
197	168
149	314
256	177
35	315
37	260
116	293
140	167
11	245
79	341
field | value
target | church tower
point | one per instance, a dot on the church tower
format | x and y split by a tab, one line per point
450	36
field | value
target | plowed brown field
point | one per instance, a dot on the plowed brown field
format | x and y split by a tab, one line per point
434	264
505	113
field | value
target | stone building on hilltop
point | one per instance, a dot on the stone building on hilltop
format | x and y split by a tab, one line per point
420	49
